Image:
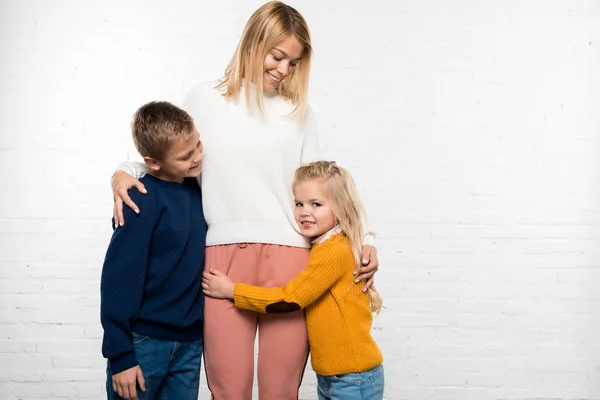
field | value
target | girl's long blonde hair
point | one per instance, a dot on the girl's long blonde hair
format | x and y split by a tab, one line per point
269	25
348	210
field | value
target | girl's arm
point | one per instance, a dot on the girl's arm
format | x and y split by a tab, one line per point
326	266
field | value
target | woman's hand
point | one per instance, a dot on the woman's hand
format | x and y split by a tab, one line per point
370	265
216	284
121	183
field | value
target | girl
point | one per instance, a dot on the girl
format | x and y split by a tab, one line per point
338	313
257	128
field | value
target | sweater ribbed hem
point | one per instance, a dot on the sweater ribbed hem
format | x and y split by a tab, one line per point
166	332
280	233
367	363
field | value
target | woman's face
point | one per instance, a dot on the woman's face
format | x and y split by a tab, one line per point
280	62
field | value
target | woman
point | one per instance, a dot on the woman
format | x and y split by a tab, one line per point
257	129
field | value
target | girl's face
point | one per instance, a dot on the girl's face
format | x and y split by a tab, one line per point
280	62
312	209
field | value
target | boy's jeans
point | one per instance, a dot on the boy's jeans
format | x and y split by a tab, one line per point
367	385
171	369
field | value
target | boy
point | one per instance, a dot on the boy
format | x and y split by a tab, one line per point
151	301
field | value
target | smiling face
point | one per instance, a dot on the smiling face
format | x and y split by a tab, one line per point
312	211
280	62
182	160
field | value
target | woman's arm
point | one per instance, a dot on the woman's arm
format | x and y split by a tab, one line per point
369	268
370	262
312	152
124	179
310	145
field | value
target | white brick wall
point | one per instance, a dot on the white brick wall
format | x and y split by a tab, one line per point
471	127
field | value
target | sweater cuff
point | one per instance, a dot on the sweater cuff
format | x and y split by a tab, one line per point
242	298
369	239
133	168
122	362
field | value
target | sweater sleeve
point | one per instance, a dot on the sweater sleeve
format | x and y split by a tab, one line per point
326	266
191	103
310	146
134	168
123	280
135	165
369	237
312	152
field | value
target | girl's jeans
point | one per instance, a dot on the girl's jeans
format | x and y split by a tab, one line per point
367	385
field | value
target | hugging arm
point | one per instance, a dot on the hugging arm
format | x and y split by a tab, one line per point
125	178
370	265
298	293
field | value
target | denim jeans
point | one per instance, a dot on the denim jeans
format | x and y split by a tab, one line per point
171	369
367	385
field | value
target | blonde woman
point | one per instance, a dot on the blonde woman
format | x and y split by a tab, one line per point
257	128
345	357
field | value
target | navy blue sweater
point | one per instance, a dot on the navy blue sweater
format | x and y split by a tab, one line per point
152	273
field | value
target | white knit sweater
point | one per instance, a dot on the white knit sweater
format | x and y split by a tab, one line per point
248	167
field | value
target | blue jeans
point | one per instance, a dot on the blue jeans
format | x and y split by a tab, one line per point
367	385
171	369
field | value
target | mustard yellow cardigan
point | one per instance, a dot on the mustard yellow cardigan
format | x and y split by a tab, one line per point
338	316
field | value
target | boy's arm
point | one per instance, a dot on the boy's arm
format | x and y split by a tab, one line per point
122	283
325	267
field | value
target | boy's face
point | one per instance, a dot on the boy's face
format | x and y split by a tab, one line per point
182	160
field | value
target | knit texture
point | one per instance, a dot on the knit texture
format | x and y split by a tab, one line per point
338	315
248	165
151	278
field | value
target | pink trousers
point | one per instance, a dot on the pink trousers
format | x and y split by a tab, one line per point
229	333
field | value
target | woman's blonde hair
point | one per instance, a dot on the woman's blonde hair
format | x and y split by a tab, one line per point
269	25
347	208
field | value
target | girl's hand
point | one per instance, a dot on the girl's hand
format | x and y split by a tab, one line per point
370	266
216	284
121	183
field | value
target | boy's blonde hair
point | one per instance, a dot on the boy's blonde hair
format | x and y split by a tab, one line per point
346	206
156	124
269	25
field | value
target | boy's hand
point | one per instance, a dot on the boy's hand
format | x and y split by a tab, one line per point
121	183
216	284
370	265
124	383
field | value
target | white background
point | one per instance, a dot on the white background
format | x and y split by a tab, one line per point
471	127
